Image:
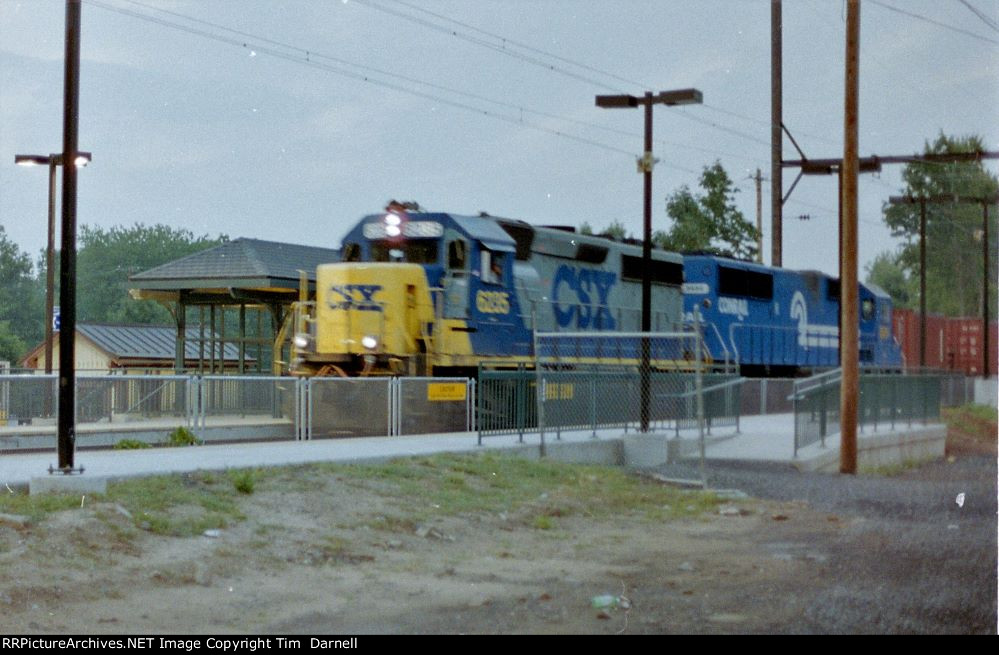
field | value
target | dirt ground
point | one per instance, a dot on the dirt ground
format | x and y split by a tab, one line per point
327	555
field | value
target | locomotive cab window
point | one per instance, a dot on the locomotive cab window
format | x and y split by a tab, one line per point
352	252
457	255
867	309
492	266
419	251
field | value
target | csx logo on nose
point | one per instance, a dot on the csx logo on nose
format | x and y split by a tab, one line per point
359	297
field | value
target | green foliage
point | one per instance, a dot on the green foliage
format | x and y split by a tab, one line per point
710	221
183	437
888	272
131	444
953	230
108	257
244	481
615	230
22	302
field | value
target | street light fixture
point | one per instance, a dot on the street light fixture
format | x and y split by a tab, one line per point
53	160
645	164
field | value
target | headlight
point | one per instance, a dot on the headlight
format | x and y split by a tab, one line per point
369	342
301	341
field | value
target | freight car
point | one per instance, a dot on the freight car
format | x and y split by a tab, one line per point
426	293
952	343
774	321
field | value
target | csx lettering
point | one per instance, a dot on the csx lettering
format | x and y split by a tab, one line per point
584	292
358	297
492	302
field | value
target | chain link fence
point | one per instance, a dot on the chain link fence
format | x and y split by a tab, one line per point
590	381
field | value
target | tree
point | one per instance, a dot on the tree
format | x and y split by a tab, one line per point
615	230
106	258
887	272
22	306
709	222
953	231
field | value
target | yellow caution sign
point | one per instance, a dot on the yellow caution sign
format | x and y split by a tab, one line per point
446	391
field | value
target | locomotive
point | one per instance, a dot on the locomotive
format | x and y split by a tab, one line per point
777	322
427	293
431	293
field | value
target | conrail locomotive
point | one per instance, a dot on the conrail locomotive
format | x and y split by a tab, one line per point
429	293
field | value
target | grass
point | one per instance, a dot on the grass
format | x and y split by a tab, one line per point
178	505
972	418
891	470
536	494
131	444
37	508
544	490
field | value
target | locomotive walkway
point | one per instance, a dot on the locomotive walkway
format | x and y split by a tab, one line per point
767	438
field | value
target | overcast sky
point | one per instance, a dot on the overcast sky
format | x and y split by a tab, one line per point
255	118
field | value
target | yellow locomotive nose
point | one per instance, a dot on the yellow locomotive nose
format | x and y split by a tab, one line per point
370	310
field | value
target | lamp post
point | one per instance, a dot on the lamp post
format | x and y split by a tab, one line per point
53	160
645	164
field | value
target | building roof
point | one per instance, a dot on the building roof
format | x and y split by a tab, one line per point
149	341
241	263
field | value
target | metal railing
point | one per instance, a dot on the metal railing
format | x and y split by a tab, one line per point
884	401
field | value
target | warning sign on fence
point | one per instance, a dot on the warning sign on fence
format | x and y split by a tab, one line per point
446	391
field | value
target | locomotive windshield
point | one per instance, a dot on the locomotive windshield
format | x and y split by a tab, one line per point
420	251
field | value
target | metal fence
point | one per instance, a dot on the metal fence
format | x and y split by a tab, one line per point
237	407
27	399
884	402
591	381
120	399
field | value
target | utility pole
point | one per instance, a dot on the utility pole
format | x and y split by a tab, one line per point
948	199
985	289
67	273
849	326
759	215
776	142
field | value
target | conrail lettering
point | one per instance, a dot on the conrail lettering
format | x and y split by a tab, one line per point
358	297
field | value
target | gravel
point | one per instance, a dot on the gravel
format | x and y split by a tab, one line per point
909	559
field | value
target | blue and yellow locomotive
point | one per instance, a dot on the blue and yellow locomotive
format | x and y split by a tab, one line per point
427	293
774	321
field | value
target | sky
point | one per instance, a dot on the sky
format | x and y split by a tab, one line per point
288	120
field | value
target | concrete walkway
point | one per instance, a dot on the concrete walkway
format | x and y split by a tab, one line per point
760	438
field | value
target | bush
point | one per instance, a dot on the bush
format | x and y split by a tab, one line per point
183	437
243	481
131	444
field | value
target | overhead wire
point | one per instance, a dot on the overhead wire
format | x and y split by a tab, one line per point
486	44
306	59
506	40
981	16
934	22
372	4
307	56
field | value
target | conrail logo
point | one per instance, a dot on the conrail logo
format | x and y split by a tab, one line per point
358	297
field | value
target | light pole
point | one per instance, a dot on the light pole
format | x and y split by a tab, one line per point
53	160
645	164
